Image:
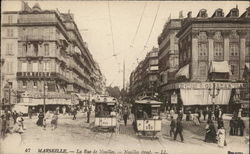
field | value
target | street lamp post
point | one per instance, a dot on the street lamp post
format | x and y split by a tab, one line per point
214	93
44	97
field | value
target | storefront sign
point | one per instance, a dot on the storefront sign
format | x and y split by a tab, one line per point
205	85
47	94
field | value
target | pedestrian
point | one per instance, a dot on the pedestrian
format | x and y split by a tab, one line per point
210	132
167	113
171	112
199	114
205	113
241	126
220	113
88	114
196	120
232	126
54	120
30	112
220	123
19	124
40	118
209	114
14	116
236	126
125	115
172	126
4	128
46	119
64	110
239	112
221	137
179	129
74	113
216	113
188	117
180	114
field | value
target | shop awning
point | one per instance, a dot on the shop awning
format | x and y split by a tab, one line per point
80	97
184	71
247	66
219	67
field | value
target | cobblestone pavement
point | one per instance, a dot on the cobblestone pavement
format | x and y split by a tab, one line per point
77	134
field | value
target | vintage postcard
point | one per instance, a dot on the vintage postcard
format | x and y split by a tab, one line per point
124	77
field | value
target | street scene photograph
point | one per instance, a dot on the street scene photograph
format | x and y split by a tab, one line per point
124	77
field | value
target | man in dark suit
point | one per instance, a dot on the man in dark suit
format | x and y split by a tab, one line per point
179	129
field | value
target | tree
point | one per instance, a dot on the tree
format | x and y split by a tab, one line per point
114	92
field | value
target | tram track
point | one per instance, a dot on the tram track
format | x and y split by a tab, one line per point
110	138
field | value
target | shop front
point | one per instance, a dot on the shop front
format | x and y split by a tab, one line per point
201	94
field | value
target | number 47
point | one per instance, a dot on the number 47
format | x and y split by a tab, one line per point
27	150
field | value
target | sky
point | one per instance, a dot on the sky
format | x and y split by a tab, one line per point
98	21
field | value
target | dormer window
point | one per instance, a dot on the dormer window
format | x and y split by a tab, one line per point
233	13
218	13
202	13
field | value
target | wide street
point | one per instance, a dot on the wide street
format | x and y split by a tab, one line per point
77	134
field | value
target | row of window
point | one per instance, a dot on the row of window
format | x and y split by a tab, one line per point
35	49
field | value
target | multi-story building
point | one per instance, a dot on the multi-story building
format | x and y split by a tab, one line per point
168	55
213	52
49	57
9	47
144	79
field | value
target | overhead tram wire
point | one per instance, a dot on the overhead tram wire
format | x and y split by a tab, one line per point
158	8
139	24
111	28
156	14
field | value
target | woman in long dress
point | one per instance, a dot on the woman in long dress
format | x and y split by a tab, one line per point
210	132
221	136
40	118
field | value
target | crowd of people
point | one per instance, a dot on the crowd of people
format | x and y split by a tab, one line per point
212	134
7	127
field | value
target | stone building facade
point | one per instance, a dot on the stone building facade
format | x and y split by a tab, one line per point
213	54
144	79
49	58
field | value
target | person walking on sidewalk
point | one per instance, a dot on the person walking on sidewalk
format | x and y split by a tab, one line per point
125	115
14	116
54	120
74	113
179	129
221	136
40	118
172	126
88	113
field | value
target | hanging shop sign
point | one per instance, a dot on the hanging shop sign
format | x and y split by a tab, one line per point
174	98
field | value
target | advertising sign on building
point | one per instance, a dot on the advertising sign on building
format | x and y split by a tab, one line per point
174	98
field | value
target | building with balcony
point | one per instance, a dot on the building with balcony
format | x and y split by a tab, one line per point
168	55
144	79
51	57
213	54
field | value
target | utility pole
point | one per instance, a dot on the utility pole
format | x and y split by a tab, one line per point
123	74
44	97
123	79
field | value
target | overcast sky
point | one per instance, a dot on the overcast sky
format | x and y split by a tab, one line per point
92	19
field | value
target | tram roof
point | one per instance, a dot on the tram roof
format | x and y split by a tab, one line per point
148	101
104	99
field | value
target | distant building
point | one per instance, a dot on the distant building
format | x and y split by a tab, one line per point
47	53
214	52
144	79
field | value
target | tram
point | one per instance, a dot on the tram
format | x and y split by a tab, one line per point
105	115
147	120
